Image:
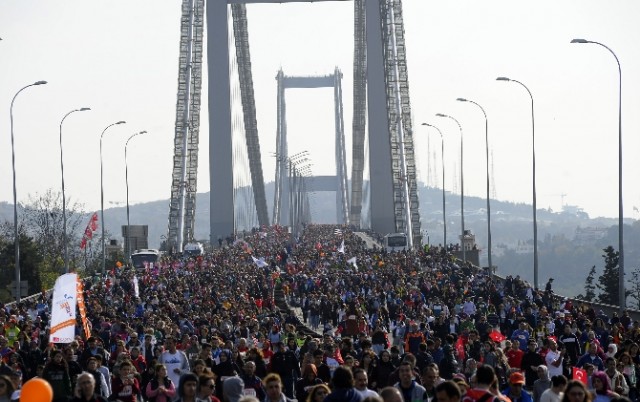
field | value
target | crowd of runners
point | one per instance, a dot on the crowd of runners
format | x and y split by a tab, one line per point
363	325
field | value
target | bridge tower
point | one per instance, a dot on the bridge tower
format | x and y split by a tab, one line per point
337	183
381	90
184	182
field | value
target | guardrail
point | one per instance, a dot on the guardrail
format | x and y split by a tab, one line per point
608	309
36	296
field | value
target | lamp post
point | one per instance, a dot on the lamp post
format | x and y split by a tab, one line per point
444	215
486	142
464	251
104	255
126	181
16	238
64	201
533	161
621	291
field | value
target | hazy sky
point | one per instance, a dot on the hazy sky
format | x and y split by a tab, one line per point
120	58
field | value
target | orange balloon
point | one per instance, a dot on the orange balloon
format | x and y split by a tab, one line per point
36	390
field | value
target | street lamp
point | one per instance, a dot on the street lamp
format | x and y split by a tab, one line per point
64	203
621	292
533	159
486	142
464	251
16	239
104	256
444	215
126	180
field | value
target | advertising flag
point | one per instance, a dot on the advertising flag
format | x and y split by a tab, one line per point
63	309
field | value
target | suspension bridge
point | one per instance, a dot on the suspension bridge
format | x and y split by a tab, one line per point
381	193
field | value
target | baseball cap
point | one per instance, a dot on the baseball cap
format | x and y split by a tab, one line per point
516	378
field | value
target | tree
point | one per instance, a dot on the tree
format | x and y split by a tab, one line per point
43	219
589	287
40	228
634	292
30	260
609	280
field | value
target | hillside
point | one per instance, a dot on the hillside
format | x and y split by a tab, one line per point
562	254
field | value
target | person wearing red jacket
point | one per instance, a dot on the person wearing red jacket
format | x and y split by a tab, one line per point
138	360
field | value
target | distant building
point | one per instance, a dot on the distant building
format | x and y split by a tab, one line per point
524	247
588	235
138	239
113	248
472	254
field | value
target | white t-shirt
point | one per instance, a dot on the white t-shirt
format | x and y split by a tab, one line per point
367	392
549	359
550	396
174	361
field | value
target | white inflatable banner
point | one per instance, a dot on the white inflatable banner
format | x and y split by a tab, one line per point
63	309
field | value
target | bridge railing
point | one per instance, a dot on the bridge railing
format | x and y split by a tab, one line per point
608	309
36	296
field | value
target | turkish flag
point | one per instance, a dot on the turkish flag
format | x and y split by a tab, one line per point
93	223
497	336
579	374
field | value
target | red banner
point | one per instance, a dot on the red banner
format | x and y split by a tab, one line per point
82	308
92	226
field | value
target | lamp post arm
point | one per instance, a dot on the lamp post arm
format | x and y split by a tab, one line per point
444	213
535	208
102	197
15	197
486	138
64	201
126	180
464	252
621	290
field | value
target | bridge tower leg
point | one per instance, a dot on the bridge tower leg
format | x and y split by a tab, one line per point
220	145
381	179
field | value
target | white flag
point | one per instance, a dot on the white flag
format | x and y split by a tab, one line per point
259	262
63	309
136	288
352	261
341	248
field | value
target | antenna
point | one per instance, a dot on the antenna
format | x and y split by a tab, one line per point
562	204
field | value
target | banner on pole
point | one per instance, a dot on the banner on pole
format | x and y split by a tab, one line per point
63	309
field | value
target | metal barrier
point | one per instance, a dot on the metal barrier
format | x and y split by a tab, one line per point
36	296
608	309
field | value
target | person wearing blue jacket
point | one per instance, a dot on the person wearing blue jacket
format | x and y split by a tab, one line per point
515	391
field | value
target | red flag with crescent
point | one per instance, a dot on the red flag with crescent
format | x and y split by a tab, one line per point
497	336
93	224
579	374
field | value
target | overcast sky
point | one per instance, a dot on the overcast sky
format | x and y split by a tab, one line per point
121	57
